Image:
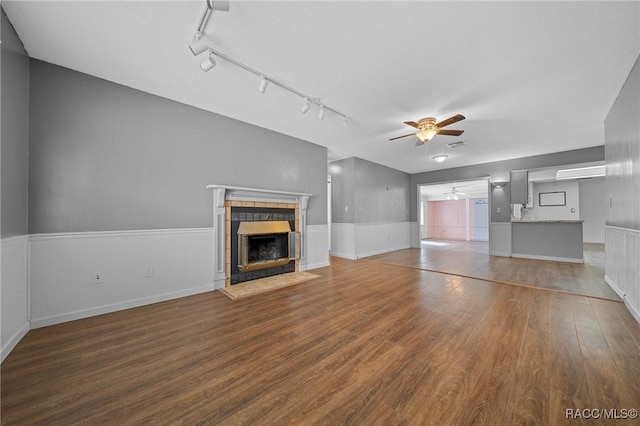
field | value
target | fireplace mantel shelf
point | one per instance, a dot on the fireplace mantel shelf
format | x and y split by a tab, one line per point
229	192
240	189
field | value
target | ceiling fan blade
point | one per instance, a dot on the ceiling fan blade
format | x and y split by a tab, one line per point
403	136
412	124
451	132
451	120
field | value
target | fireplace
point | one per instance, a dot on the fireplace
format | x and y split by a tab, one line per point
233	205
263	242
266	244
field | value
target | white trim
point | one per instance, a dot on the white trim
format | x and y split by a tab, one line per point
632	310
614	287
105	309
15	339
622	270
121	233
556	259
317	265
18	239
624	230
382	251
240	189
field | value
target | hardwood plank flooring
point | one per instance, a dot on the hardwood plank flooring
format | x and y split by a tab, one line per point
472	259
364	343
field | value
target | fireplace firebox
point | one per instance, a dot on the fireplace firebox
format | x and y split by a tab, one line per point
263	243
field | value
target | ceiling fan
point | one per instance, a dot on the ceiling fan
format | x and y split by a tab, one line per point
428	128
454	194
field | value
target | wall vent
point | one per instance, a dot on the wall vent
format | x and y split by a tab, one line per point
456	144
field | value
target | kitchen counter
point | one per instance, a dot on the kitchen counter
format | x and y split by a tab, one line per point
558	240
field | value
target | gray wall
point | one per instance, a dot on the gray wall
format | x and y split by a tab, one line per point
343	190
14	77
622	149
108	157
373	193
593	208
499	171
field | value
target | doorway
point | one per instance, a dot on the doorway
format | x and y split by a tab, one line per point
454	211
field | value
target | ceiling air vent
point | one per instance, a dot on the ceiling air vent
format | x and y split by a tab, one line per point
456	144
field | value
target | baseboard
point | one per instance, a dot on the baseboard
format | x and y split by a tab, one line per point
614	287
632	310
555	259
316	265
497	253
13	342
343	255
382	251
105	309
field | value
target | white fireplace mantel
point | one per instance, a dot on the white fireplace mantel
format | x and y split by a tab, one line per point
240	193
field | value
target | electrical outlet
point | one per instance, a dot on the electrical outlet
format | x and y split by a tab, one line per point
97	278
148	272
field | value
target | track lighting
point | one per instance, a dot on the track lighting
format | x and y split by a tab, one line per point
306	106
198	45
263	84
221	5
208	63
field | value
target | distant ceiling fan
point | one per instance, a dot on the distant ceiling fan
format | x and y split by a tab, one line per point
428	128
454	194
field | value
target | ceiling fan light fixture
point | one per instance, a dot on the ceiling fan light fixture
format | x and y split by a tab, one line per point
426	134
440	158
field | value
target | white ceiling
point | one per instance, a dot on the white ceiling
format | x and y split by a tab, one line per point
531	77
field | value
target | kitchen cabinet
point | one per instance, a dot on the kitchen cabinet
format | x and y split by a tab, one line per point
519	186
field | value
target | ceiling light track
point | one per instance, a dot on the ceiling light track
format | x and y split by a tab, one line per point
198	46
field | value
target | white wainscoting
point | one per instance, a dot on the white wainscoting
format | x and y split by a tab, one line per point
317	245
622	265
14	292
63	269
356	240
343	240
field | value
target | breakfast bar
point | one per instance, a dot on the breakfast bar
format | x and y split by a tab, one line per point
559	240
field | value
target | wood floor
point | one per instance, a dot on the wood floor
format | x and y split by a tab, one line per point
365	343
472	259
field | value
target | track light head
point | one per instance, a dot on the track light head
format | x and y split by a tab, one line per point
208	63
221	5
198	45
345	123
263	84
321	113
306	106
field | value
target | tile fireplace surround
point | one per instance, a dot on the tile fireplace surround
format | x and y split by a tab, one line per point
225	197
